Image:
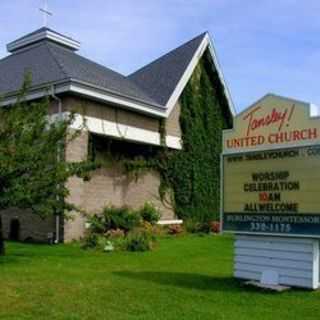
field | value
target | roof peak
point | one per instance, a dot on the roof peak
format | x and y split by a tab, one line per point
184	44
43	34
161	77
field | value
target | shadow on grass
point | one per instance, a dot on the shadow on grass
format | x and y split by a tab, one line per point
185	280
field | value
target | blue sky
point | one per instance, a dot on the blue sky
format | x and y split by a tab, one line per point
263	45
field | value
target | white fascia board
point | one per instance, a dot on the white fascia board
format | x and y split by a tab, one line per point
91	92
206	42
68	42
12	46
186	76
122	131
35	94
118	100
71	43
221	76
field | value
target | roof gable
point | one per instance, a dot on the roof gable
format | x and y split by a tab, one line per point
51	63
161	77
154	89
165	78
82	69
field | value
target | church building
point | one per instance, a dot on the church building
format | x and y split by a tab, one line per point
124	116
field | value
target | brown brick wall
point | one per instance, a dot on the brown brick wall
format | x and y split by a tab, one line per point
32	227
113	186
107	186
76	150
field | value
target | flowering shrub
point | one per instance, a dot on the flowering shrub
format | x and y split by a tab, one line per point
123	228
215	226
114	234
175	229
193	226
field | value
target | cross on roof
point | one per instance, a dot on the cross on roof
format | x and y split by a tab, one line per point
46	13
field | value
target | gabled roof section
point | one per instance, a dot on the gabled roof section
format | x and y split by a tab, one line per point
161	77
79	68
52	63
51	59
165	78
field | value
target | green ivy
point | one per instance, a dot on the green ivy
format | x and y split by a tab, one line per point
192	175
194	172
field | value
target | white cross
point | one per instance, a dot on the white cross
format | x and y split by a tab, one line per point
46	13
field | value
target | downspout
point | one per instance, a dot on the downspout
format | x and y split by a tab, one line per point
57	239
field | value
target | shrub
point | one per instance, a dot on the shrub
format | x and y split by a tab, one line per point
194	226
123	228
115	234
90	240
120	218
96	224
139	240
149	213
102	242
175	229
215	226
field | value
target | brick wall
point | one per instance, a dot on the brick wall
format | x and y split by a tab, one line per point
32	227
111	185
107	186
74	224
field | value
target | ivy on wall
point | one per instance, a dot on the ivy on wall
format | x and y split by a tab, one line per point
191	176
194	172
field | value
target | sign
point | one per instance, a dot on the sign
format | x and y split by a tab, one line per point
272	122
271	170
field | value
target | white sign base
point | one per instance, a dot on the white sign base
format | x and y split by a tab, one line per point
277	260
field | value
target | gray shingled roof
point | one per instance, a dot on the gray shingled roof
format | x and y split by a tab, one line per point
160	77
42	30
49	62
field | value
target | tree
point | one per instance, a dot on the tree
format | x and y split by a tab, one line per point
33	169
1	239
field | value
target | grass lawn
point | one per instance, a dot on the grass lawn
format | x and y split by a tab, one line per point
188	277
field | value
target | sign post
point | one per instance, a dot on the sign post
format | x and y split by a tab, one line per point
271	192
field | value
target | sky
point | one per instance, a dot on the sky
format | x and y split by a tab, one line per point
263	45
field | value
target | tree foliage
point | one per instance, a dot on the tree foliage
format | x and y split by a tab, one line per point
1	239
33	168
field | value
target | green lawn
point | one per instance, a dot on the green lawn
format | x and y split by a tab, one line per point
187	277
